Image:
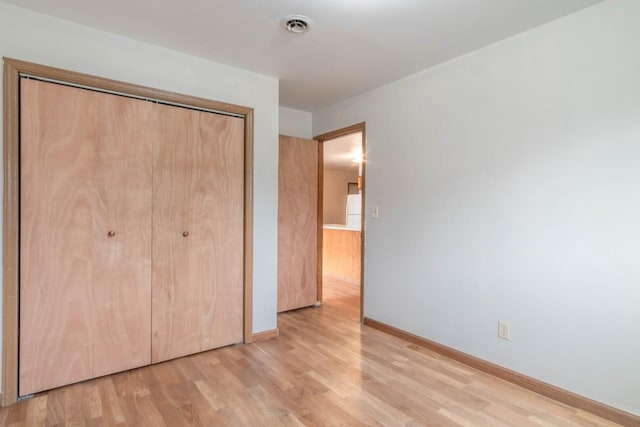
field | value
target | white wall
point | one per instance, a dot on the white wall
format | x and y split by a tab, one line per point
295	123
519	170
50	41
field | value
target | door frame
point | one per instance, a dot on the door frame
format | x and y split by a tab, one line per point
358	127
13	70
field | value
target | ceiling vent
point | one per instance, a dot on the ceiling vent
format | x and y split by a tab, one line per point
297	24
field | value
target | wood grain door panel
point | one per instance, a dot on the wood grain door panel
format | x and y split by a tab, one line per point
198	170
85	297
297	223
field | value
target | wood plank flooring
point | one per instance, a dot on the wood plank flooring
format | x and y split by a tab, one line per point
325	369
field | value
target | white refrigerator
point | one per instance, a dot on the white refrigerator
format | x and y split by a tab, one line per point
354	210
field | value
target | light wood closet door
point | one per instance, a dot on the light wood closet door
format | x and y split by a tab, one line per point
198	232
297	223
85	295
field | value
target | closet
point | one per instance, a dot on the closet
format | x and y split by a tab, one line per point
131	233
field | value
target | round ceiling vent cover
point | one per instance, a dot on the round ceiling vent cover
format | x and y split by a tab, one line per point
297	24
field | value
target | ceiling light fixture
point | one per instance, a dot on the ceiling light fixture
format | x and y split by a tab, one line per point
297	24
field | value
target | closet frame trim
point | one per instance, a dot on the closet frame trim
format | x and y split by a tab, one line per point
13	70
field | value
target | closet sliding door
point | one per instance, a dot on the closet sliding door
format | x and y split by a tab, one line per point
85	234
198	208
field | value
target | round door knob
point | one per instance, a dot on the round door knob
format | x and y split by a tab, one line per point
111	233
185	234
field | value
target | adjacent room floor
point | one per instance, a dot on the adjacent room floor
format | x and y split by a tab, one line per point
324	369
341	299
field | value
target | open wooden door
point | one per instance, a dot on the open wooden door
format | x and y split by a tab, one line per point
85	233
297	223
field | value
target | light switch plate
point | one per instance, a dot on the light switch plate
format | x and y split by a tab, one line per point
504	330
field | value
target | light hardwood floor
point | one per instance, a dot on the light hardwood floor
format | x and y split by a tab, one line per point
324	369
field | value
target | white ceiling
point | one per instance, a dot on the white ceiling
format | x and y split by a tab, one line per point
337	153
355	45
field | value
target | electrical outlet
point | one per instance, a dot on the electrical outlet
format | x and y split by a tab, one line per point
374	212
504	330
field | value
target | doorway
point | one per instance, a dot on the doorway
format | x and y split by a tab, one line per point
341	193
